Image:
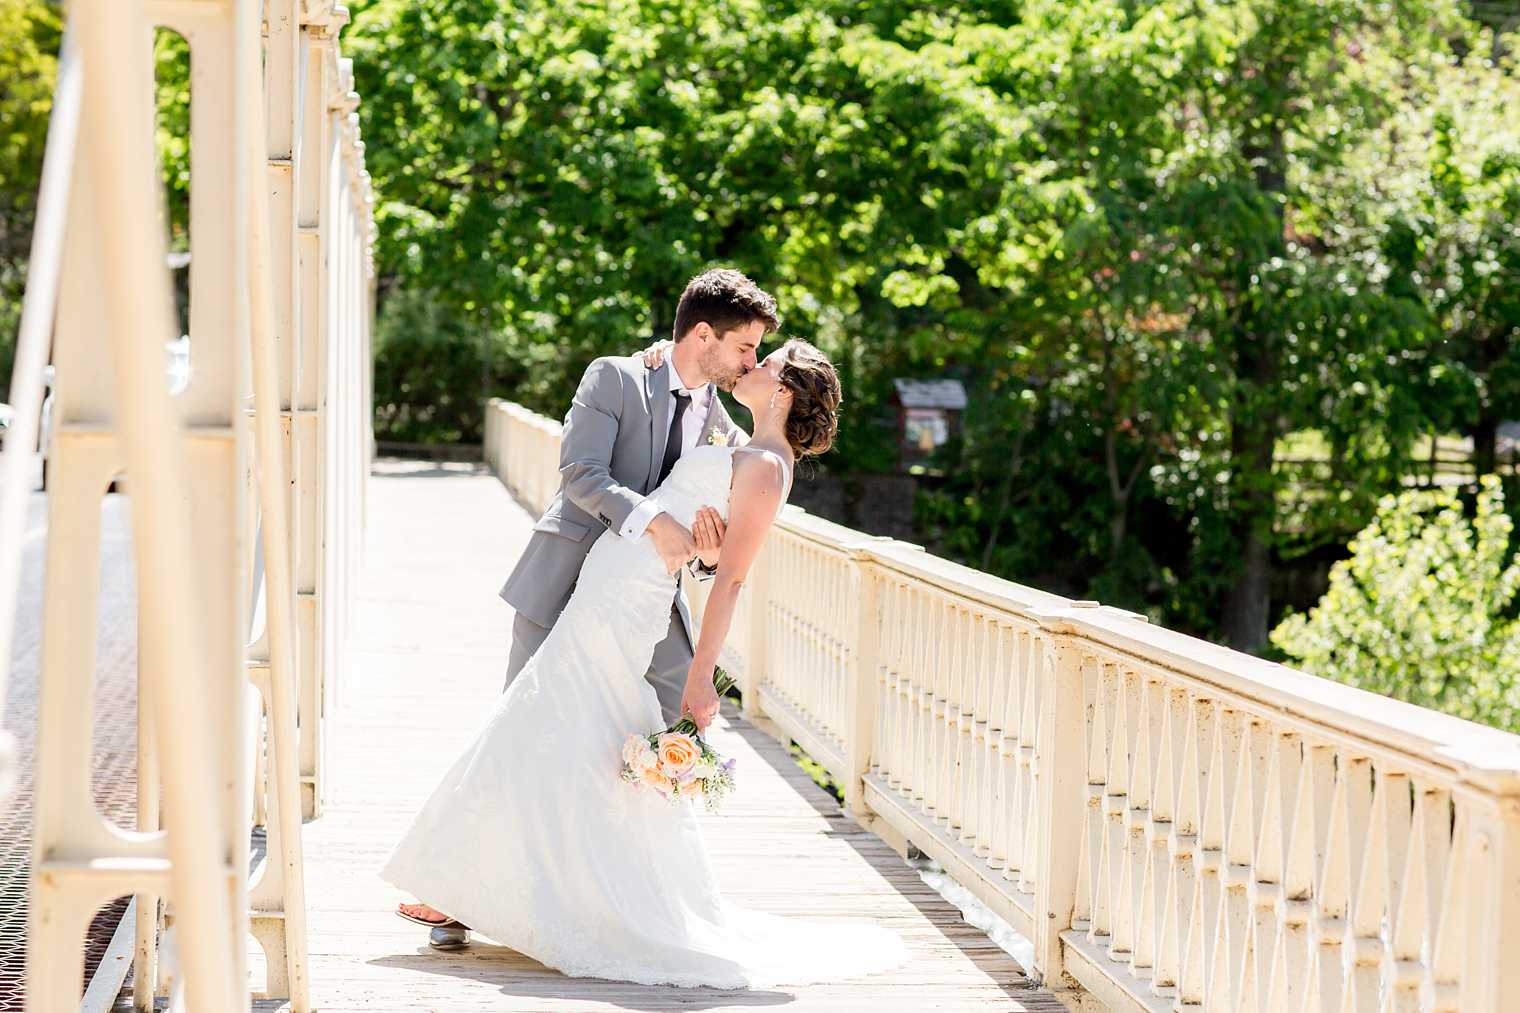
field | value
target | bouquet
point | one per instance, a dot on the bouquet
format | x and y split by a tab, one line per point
677	763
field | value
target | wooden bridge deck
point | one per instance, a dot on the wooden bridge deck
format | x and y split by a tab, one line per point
428	654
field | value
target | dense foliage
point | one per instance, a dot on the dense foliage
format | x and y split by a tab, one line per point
30	32
1159	240
1156	239
1423	608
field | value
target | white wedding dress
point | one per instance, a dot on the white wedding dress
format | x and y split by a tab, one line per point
533	841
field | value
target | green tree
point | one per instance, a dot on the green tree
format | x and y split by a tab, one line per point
30	31
554	173
1291	322
1423	610
1458	155
1428	196
1116	220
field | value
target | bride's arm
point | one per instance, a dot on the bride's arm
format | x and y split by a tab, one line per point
759	481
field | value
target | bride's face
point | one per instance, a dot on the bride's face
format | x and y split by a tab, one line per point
755	389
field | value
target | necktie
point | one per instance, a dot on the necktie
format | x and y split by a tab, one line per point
673	439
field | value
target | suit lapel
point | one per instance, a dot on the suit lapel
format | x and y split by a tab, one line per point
713	407
657	397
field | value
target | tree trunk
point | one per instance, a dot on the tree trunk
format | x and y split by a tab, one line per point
1485	437
1005	499
1118	530
1254	430
1119	489
1253	501
1247	608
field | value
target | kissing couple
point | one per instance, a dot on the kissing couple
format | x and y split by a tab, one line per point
531	838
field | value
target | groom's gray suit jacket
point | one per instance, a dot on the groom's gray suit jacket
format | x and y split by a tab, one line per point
610	454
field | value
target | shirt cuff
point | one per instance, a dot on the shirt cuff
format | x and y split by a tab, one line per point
638	519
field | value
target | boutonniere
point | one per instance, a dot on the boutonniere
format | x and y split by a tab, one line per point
717	438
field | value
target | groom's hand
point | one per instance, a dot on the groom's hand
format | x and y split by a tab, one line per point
707	529
672	541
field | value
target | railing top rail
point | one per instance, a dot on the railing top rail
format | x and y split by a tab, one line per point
530	417
1419	739
913	561
1448	747
797	521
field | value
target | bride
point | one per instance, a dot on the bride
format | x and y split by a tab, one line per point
533	840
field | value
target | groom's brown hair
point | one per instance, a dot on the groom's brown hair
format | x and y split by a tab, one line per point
725	299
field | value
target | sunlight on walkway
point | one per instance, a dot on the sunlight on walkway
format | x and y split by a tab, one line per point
427	659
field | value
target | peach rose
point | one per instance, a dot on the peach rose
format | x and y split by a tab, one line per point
691	789
678	754
654	779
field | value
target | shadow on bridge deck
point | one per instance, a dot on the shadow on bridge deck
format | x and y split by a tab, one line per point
428	654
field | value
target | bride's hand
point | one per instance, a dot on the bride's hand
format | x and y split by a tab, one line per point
707	531
700	699
654	355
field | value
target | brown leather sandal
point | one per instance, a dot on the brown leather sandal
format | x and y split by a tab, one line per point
414	919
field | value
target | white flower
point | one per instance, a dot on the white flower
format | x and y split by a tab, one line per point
638	755
718	438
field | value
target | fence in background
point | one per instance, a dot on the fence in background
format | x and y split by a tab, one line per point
246	487
1173	824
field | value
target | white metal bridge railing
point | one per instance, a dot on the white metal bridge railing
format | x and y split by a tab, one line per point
247	487
1174	825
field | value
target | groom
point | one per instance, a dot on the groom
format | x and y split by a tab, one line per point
625	430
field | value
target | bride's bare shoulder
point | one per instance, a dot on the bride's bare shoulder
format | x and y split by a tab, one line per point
759	470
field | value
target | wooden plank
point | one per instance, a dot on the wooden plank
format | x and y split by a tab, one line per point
429	648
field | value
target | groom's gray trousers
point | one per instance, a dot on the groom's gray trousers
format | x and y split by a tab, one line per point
667	669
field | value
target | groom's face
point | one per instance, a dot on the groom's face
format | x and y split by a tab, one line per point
727	357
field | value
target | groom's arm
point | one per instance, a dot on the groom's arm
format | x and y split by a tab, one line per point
585	464
585	456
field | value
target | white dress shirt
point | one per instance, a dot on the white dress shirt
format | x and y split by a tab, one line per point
691	431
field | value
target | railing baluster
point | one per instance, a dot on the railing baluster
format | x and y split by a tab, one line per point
1163	946
861	677
1117	790
1137	819
1182	844
1061	801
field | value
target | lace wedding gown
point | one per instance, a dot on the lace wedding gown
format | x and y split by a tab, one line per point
532	840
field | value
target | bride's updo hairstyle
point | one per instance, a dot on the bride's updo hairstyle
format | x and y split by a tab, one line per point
813	421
